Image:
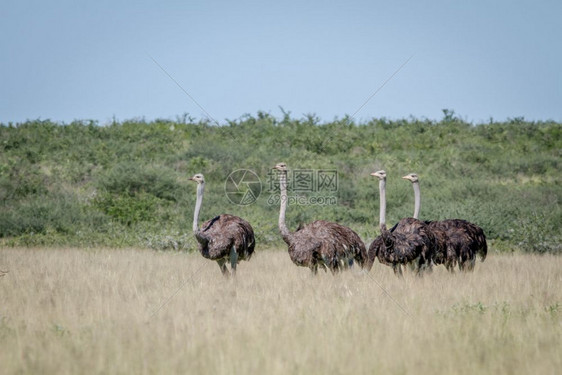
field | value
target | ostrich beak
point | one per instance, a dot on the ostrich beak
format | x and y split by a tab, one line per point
191	178
374	174
406	177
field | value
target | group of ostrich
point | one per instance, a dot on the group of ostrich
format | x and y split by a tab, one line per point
411	243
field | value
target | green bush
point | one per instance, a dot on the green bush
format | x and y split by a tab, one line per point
125	184
55	213
128	209
132	178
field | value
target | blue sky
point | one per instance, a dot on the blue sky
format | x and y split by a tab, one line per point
68	60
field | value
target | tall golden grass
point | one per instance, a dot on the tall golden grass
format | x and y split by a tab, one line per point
70	311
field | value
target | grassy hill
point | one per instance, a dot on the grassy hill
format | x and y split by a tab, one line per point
126	183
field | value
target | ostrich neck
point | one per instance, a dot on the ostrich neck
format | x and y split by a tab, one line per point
417	199
382	217
283	208
382	212
200	190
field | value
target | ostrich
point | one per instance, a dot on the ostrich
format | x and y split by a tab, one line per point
465	238
321	243
397	248
443	253
457	240
224	237
411	225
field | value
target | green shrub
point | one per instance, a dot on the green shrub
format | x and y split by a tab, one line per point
55	213
132	178
125	184
128	209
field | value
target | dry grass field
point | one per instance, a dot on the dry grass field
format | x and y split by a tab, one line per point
107	311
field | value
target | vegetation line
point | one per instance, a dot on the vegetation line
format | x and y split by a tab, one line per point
154	312
381	86
389	295
126	184
184	91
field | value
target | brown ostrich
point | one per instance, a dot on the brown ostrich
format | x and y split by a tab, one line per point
397	248
467	240
458	240
410	225
321	243
224	237
443	253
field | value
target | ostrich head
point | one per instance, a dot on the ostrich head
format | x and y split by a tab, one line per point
198	178
281	167
381	175
412	177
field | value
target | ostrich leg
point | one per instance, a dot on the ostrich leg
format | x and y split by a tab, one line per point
222	265
397	270
314	270
233	260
